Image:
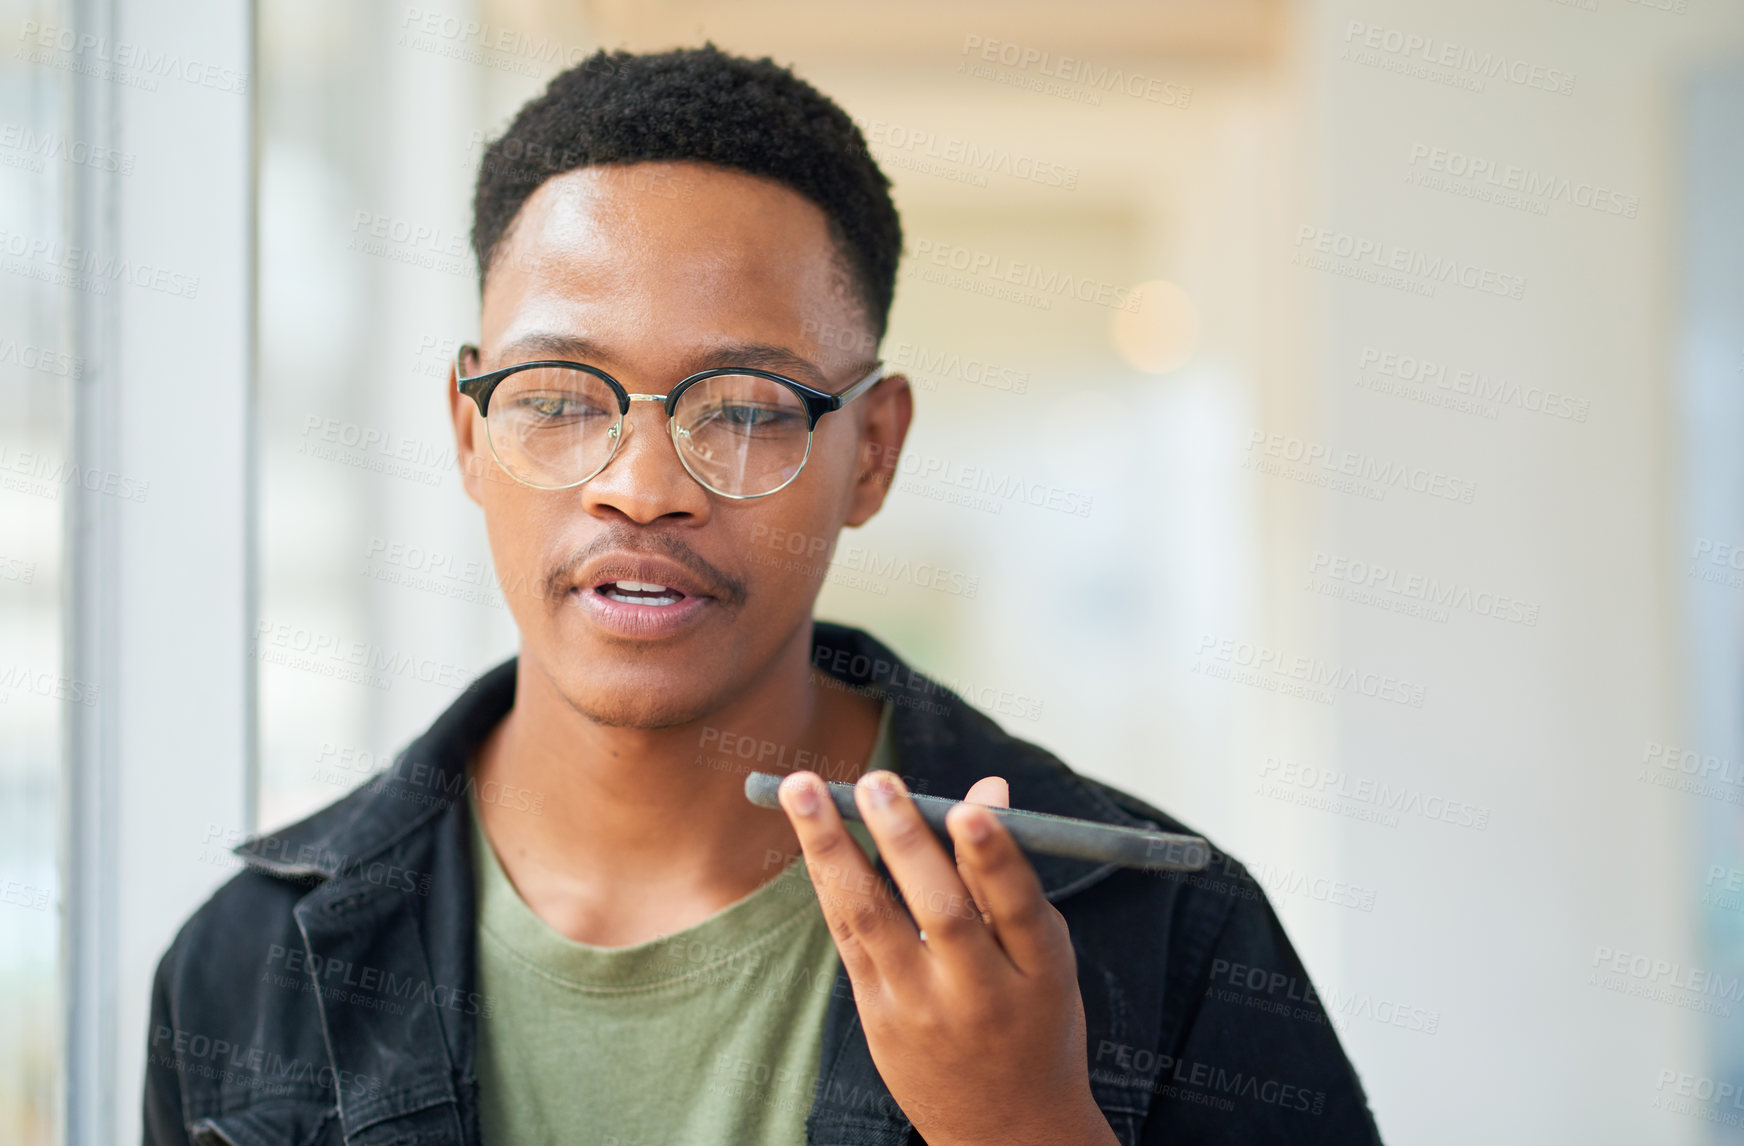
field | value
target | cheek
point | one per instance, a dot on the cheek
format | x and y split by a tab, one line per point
784	550
520	532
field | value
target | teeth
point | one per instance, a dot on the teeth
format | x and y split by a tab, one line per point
641	593
639	599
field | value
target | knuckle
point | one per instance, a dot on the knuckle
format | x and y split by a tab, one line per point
865	917
827	844
1033	912
950	925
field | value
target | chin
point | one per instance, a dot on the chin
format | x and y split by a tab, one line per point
651	699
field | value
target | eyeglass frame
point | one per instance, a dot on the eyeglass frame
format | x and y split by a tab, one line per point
817	403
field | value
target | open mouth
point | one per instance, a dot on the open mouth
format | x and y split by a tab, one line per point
639	593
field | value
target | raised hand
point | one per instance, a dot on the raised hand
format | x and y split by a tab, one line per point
974	1020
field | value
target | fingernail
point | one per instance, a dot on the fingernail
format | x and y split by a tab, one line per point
802	797
882	788
976	826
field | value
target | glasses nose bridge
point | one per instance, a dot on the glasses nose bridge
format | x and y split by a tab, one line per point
621	432
625	421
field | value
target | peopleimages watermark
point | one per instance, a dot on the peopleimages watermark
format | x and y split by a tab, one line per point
923	365
32	472
1670	7
1511	185
361	984
1066	77
434	357
746	750
489	45
1047	282
1222	875
235	1066
902	685
959	482
1348	471
421	245
431	570
1386	263
1700	1096
962	160
1288	995
221	841
1412	594
1362	797
1203	1083
1444	61
1664	981
1718	562
120	61
19	894
1691	772
81	268
348	659
28	357
1726	895
1463	389
41	682
379	451
17	569
856	566
1308	677
24	147
416	781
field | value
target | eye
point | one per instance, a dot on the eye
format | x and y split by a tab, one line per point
749	416
555	405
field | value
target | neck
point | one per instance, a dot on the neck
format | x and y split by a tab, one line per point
644	832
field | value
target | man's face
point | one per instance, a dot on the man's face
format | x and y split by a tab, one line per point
652	272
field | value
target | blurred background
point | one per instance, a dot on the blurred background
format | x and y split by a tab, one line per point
1329	421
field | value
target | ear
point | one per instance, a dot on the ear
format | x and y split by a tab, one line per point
889	408
471	451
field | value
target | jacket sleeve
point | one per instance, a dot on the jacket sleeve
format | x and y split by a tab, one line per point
163	1084
1256	1059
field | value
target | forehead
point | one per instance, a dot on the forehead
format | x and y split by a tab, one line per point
659	258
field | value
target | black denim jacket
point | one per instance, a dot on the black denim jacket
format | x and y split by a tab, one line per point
327	993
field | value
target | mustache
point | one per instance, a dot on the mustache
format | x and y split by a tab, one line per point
723	586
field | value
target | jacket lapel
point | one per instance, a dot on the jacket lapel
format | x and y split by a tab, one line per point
379	1004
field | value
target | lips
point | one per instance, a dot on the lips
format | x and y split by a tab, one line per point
642	596
642	578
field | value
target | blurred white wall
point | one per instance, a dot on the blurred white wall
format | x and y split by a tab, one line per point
1451	822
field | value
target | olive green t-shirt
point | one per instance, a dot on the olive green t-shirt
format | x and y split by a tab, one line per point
707	1036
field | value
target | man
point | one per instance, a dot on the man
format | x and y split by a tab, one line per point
557	918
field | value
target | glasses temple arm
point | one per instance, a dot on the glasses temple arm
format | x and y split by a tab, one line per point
870	380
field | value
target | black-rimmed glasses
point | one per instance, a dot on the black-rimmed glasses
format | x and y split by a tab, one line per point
741	432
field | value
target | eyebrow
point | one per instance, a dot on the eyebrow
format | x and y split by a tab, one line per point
758	355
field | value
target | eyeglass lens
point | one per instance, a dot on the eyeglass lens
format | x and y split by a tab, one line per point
737	434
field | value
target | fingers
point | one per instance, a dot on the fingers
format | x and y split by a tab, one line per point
994	792
872	934
1025	923
990	790
927	877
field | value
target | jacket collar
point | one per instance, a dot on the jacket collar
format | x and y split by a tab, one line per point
941	742
414	816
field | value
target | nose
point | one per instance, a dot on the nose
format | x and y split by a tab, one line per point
645	482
